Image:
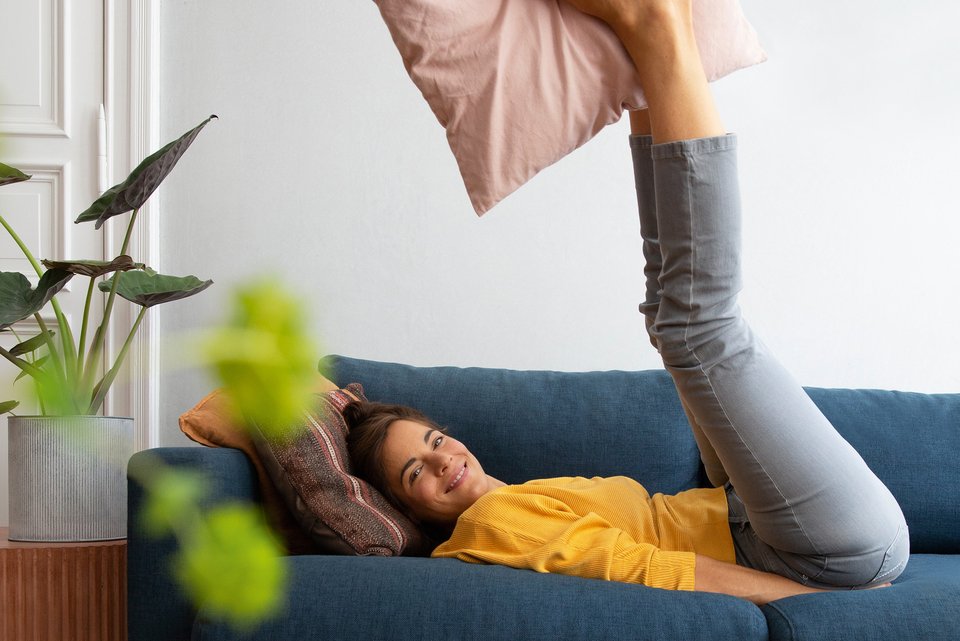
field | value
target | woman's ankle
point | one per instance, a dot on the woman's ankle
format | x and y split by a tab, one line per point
660	39
655	24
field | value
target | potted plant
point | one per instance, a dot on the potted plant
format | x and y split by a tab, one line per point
67	466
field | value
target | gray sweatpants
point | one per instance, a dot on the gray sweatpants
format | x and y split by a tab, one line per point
803	503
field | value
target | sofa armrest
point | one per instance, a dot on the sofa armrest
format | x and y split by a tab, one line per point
157	610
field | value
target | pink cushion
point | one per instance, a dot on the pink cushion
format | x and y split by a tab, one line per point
518	84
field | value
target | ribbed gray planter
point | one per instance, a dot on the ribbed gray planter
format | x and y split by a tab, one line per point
68	477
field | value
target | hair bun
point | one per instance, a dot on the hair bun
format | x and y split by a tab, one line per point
354	413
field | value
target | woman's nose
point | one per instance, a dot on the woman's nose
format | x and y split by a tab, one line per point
441	462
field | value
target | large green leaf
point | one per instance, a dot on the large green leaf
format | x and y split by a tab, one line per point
18	301
30	345
6	406
142	181
9	175
148	288
93	268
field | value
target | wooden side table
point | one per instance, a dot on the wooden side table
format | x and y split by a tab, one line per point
63	591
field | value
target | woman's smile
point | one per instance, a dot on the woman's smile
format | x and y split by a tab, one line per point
461	475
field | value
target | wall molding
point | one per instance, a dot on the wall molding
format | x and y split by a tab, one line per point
56	122
55	177
131	99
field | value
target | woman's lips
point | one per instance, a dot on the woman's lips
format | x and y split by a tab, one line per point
458	479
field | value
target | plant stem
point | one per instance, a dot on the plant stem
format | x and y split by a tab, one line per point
112	374
20	340
66	335
22	364
83	328
126	238
63	376
51	346
23	248
96	349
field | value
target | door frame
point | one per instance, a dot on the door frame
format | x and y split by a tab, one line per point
132	103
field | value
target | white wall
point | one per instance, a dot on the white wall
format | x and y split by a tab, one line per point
327	168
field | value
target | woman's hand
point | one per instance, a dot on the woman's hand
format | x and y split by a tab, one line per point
755	586
610	11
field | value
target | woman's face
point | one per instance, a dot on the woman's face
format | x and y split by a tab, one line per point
434	475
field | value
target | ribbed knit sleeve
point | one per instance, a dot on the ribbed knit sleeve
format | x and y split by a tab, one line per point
561	534
588	547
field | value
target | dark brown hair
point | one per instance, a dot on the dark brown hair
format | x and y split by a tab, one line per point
368	422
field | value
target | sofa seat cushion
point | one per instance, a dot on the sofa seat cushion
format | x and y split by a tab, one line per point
921	604
364	598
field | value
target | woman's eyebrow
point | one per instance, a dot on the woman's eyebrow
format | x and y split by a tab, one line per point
426	439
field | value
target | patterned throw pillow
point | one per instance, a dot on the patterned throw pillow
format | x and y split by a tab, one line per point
519	84
342	513
214	422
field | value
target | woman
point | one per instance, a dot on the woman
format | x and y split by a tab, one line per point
796	509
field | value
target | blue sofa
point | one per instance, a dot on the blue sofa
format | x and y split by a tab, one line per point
533	424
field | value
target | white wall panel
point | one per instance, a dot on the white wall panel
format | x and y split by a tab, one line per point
34	86
36	211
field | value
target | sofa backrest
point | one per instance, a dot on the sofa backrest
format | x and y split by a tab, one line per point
912	442
525	425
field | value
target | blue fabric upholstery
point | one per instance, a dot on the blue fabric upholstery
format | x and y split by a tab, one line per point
525	425
912	442
536	424
408	598
921	604
156	608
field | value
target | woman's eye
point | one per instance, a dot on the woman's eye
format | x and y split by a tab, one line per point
437	441
415	474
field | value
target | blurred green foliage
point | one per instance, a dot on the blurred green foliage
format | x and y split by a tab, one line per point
232	565
264	358
172	500
230	562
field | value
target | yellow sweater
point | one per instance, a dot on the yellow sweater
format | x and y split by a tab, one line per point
601	528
